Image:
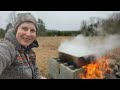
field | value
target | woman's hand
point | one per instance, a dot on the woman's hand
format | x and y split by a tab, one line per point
43	78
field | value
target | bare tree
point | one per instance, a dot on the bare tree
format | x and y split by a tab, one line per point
11	17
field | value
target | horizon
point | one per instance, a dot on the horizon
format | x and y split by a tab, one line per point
59	20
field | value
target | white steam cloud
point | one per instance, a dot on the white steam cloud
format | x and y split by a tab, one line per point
82	46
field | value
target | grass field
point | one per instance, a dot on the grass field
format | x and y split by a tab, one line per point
48	47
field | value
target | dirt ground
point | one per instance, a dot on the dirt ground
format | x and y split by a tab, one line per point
48	48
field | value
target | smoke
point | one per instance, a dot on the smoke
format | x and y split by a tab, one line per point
83	46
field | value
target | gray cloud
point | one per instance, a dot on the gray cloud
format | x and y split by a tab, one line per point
60	20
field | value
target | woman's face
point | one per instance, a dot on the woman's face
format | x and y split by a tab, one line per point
26	33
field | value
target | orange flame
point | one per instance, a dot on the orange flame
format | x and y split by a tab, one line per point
97	69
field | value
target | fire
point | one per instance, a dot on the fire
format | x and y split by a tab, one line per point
97	69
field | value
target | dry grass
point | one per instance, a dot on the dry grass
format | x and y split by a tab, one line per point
48	48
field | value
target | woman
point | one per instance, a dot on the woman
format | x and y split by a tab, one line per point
17	59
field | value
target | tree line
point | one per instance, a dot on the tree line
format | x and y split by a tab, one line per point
98	26
93	27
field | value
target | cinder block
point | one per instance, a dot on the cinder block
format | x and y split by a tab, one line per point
53	68
67	73
59	70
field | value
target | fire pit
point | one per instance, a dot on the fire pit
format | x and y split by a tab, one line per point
92	67
81	59
99	69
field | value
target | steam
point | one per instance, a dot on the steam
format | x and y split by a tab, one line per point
83	46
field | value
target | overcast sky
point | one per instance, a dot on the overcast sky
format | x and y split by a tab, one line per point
60	20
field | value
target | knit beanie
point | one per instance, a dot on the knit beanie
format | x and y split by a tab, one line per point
24	17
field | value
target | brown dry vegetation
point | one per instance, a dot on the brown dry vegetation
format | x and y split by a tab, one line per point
48	48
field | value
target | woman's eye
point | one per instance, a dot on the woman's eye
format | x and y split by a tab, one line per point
24	28
33	30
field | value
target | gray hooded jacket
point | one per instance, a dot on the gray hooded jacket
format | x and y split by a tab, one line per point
17	62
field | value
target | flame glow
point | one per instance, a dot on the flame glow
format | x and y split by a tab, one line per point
97	69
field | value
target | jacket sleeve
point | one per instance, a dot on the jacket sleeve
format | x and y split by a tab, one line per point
37	73
5	57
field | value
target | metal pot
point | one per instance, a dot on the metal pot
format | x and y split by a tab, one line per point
76	61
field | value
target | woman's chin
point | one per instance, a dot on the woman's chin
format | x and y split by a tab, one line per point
25	44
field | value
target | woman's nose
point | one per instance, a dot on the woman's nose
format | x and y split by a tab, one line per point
28	33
